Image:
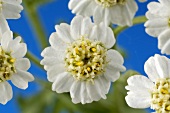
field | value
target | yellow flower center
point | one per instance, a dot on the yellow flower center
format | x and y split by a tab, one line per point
161	96
110	3
85	59
7	68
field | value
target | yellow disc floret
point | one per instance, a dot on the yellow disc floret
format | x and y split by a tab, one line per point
110	3
7	68
161	96
85	59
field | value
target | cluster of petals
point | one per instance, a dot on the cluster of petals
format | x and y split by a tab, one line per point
152	91
107	11
158	24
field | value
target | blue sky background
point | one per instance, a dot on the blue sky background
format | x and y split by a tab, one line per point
138	45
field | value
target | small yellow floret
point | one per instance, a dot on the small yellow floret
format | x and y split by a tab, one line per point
81	63
164	91
168	108
93	49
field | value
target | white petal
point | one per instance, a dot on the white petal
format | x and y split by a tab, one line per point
57	43
21	79
164	42
5	92
123	15
11	11
4	26
75	92
63	32
80	26
76	27
104	34
54	70
153	7
150	69
6	38
20	51
114	57
86	26
83	94
136	101
51	52
83	7
155	27
17	49
23	64
105	84
101	14
63	82
111	73
165	2
139	95
13	1
157	67
95	91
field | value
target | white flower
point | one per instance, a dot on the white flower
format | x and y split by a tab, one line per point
78	60
120	12
153	92
13	66
158	24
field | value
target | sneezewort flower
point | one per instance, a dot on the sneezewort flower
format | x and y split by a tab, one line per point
13	66
158	24
120	12
153	91
79	60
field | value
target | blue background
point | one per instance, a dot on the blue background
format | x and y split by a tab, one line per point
138	45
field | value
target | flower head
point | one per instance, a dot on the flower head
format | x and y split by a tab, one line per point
120	12
153	92
158	24
79	60
13	66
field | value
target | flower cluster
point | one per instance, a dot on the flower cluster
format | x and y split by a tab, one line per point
81	58
155	91
12	64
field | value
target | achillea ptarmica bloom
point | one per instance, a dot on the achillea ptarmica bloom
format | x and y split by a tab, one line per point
158	24
119	12
13	66
10	9
79	60
154	91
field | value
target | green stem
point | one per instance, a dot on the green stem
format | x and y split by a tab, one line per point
34	59
137	20
31	11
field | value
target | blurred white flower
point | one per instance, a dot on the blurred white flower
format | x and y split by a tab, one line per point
10	9
153	92
120	12
78	60
158	24
13	66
